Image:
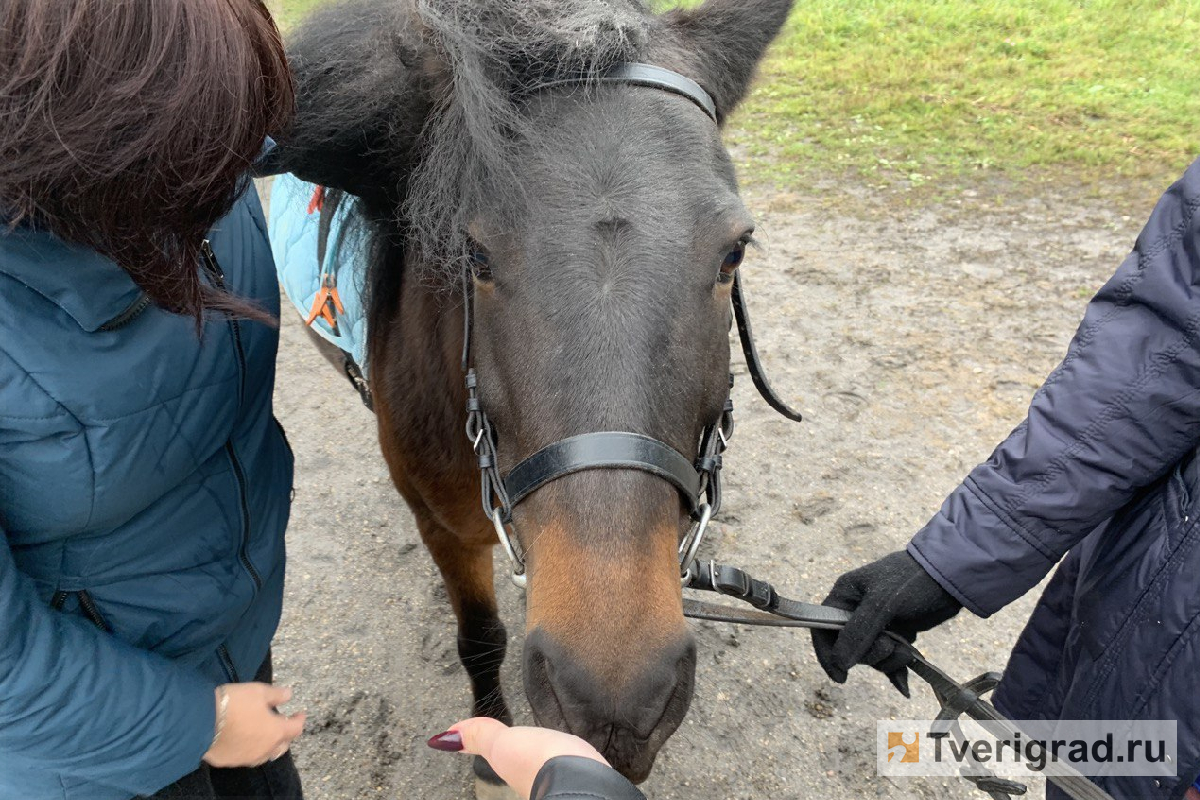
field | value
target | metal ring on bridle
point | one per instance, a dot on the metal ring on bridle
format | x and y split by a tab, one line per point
691	543
518	563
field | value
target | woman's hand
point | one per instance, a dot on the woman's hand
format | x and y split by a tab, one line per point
253	731
517	754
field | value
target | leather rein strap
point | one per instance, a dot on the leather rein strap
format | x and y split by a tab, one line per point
956	699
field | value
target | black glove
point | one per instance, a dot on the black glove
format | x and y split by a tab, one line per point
894	593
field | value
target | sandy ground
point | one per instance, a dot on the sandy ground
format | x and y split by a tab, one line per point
911	335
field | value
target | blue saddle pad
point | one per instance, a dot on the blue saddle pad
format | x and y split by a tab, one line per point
293	231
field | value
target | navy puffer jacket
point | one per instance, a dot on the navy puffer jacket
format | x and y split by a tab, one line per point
144	492
1103	471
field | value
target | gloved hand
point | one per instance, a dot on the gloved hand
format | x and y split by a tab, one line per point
894	593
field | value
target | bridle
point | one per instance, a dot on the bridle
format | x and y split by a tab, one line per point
697	480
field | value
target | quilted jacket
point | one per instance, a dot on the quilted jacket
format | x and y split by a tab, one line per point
1103	477
144	492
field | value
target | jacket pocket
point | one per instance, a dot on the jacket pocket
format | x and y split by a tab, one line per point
239	475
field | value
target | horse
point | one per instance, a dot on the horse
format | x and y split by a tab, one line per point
546	204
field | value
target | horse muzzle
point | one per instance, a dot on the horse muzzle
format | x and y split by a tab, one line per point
628	712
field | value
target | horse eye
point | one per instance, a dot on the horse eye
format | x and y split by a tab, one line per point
481	264
733	260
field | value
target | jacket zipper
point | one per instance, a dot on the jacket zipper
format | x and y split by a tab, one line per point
240	476
86	604
209	260
128	315
227	664
91	612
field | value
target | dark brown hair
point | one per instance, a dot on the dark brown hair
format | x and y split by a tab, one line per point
128	126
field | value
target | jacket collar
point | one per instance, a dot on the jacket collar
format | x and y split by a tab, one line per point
87	286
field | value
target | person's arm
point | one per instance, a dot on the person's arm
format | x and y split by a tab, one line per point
581	778
538	763
1121	409
76	700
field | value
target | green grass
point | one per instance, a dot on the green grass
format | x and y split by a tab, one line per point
920	91
929	89
289	12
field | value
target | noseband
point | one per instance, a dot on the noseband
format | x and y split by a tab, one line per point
698	479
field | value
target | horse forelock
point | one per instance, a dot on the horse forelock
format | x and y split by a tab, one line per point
487	56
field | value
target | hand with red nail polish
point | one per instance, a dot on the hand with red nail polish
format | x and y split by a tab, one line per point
448	742
517	754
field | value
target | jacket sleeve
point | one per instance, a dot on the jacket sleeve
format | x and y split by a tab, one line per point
578	778
1115	416
78	701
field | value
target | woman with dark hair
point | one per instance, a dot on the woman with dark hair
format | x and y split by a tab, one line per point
144	482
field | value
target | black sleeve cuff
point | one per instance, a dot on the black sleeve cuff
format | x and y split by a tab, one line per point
579	778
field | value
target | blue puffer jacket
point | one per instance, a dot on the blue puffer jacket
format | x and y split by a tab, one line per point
144	492
1103	471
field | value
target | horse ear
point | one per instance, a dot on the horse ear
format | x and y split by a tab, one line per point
728	38
360	101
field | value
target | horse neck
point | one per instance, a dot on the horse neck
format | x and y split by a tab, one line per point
416	349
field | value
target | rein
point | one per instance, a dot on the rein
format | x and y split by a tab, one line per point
955	699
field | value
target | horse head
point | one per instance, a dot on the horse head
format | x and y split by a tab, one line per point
599	228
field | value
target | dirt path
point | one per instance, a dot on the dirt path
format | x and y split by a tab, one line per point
912	338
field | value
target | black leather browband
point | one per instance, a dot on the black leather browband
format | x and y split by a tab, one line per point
604	450
638	74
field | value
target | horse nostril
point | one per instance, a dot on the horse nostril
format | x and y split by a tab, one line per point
539	686
633	709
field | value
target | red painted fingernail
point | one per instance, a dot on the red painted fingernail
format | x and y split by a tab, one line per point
448	742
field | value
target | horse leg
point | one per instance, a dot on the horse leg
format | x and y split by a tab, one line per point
466	569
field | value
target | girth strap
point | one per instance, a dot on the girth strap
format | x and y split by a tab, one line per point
604	450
